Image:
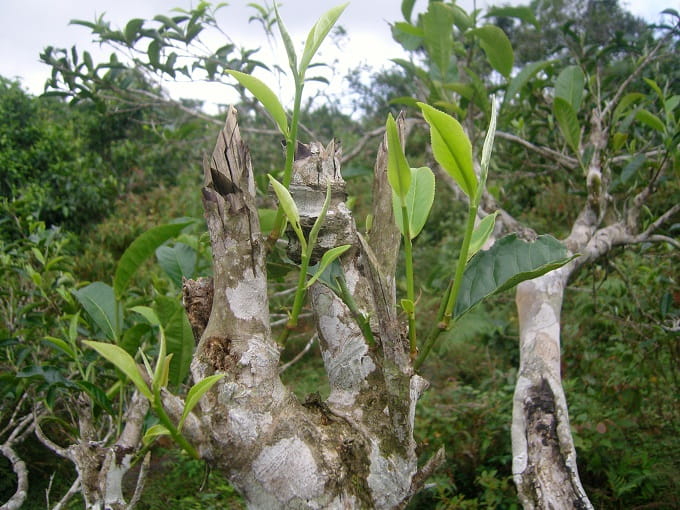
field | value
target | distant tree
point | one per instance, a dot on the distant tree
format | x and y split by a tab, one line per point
565	25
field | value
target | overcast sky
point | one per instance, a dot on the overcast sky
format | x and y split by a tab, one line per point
30	25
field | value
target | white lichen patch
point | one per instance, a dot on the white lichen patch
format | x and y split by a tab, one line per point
247	425
389	478
346	360
288	470
248	300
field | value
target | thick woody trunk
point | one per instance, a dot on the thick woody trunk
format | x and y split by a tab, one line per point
544	457
355	450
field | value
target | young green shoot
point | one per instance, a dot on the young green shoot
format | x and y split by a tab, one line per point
288	206
412	198
453	151
270	102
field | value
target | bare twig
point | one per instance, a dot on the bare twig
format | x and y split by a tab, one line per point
73	490
645	236
299	355
562	159
141	480
17	408
281	322
359	146
425	472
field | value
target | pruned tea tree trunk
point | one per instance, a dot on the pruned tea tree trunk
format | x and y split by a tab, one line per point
353	450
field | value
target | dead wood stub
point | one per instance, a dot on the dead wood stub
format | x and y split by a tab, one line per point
197	297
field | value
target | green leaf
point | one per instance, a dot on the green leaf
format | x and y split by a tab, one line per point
178	261
154	432
497	48
460	17
451	148
632	168
289	208
132	337
522	78
139	250
523	13
567	122
179	336
398	171
265	96
481	234
317	34
123	362
60	345
437	25
570	85
626	102
99	302
328	257
407	9
409	36
405	100
154	53
73	327
163	373
287	42
195	393
267	219
650	120
330	276
671	104
408	306
655	87
418	201
314	233
508	262
148	313
132	29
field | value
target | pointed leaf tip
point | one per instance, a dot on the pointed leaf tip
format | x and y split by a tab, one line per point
398	170
451	148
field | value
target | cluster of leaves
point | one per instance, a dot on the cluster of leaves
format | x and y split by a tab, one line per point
446	37
167	46
48	173
36	271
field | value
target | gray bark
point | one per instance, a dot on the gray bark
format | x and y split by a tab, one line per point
354	450
101	466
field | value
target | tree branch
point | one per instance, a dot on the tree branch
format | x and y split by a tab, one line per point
359	146
62	452
656	224
72	491
19	468
562	159
141	480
